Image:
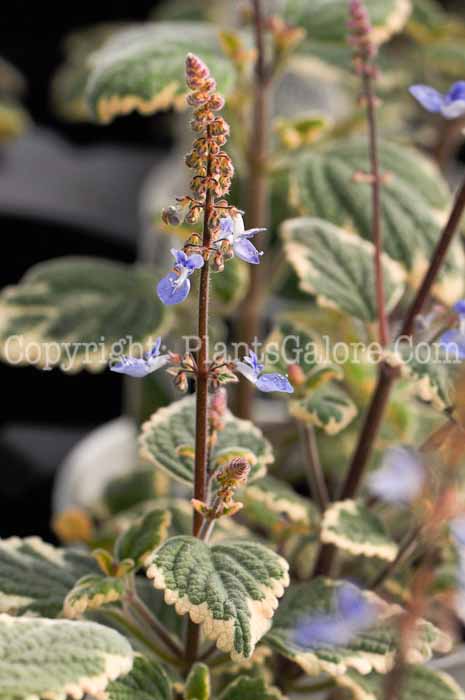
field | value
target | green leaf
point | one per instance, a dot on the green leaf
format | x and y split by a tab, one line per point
326	20
427	372
198	686
146	681
64	307
231	589
143	67
327	407
51	574
245	688
415	202
338	267
274	505
141	539
91	592
51	659
354	528
371	650
420	683
168	439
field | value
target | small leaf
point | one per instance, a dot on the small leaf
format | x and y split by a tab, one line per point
198	686
146	681
415	203
231	589
90	593
64	307
174	427
328	407
374	649
51	659
51	574
420	683
141	539
354	528
143	67
245	688
337	267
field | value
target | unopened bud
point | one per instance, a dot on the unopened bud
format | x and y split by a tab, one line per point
218	263
235	473
296	374
181	382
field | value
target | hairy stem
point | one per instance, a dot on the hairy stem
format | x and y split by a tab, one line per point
387	376
314	472
136	633
257	202
145	614
376	206
406	549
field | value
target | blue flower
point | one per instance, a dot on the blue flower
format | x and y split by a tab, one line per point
175	287
141	366
352	614
251	369
451	105
232	230
457	528
400	478
453	341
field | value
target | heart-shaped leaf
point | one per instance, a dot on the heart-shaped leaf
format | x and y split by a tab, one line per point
415	201
141	539
374	649
91	592
420	683
354	528
231	589
327	407
143	67
337	267
51	659
146	681
251	689
51	574
64	307
198	685
168	439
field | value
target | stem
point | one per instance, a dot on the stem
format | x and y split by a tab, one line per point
405	550
257	201
376	207
315	476
142	610
117	617
387	377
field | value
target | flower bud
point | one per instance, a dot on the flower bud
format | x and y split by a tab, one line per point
196	70
235	473
181	382
218	263
296	374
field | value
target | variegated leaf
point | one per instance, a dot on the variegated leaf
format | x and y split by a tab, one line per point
198	684
91	592
373	650
250	688
325	20
327	407
355	529
274	505
147	680
53	659
64	307
337	267
231	589
415	202
420	683
139	541
142	68
168	438
51	574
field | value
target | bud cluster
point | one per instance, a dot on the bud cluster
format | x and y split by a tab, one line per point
231	477
183	366
360	38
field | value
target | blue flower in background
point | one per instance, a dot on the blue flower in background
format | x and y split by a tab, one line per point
232	230
251	369
400	478
453	341
457	528
451	105
175	287
352	614
141	366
